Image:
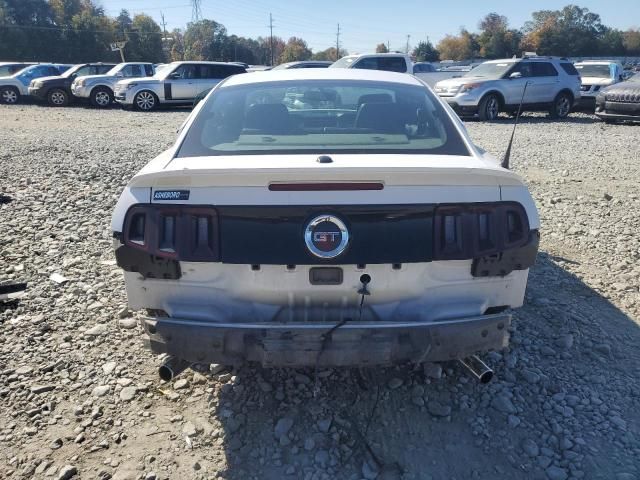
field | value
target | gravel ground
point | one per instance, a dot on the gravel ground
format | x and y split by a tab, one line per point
80	397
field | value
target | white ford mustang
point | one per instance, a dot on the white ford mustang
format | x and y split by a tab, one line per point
324	217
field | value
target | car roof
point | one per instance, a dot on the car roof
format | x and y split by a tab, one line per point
322	74
202	62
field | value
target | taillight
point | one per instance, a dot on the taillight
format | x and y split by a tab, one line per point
185	233
464	231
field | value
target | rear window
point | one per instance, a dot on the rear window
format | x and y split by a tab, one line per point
544	69
322	116
569	69
388	64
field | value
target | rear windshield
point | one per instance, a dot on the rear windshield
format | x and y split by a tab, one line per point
569	68
600	71
322	117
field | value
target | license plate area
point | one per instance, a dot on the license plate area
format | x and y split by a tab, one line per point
325	276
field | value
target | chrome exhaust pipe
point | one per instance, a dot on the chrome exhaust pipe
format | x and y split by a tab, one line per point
478	369
172	367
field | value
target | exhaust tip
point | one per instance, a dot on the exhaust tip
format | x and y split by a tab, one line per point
486	377
165	373
171	368
477	368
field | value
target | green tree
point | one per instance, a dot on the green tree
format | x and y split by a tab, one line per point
631	41
426	52
204	40
382	48
296	49
144	40
27	30
496	40
329	54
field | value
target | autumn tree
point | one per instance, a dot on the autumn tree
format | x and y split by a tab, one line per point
463	46
296	49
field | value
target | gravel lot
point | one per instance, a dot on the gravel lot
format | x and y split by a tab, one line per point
80	397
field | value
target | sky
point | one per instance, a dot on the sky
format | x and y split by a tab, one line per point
363	24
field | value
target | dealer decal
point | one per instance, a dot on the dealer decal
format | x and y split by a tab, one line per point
171	195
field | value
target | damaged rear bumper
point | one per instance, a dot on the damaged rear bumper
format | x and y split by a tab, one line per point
306	344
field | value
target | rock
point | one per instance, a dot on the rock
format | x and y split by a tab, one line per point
150	476
438	410
324	425
216	368
607	197
514	421
189	429
24	370
565	342
370	471
198	379
100	391
58	278
530	376
109	367
432	370
309	444
128	323
417	401
282	427
394	383
181	384
503	404
67	472
128	393
123	312
321	457
603	348
56	444
530	448
556	473
97	330
38	389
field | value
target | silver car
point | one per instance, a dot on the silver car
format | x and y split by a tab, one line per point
176	83
552	84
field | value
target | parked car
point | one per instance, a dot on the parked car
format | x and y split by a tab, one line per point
391	62
9	68
619	102
16	86
367	230
553	85
56	90
180	83
424	67
596	74
98	89
303	64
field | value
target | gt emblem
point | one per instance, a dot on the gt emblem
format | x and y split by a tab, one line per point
326	236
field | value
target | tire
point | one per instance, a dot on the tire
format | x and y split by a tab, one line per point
9	95
489	108
145	101
561	107
101	97
57	98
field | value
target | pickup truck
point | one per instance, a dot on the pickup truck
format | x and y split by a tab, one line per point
393	62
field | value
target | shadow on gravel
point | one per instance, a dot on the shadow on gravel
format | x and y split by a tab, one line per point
564	404
542	119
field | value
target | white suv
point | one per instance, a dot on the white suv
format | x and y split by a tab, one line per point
98	89
15	86
595	75
176	83
553	85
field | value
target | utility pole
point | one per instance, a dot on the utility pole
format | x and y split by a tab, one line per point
388	47
338	43
271	36
407	49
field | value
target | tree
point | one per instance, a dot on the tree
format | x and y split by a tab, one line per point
329	54
27	30
144	40
176	53
572	31
204	40
265	46
496	40
631	41
426	52
296	49
382	48
461	47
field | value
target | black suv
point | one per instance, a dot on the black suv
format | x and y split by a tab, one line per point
57	90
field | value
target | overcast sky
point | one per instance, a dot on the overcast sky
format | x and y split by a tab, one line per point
363	24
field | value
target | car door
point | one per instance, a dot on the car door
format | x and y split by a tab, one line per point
182	83
545	82
513	88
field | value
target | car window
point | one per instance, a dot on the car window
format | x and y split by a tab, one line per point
367	63
185	72
219	71
570	69
148	70
523	68
87	70
101	69
132	71
319	116
392	64
594	70
544	69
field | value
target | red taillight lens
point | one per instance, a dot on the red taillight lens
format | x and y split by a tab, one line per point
185	233
476	230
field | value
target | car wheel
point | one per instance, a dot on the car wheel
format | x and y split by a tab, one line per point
58	98
561	106
9	95
101	97
489	107
145	101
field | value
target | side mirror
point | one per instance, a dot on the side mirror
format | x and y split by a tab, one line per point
119	74
515	75
174	76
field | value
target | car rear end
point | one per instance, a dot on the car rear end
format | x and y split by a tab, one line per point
285	255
